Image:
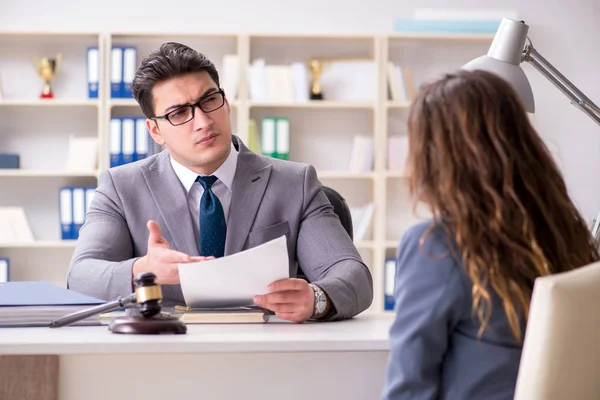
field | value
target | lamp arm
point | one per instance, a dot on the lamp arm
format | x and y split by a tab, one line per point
578	99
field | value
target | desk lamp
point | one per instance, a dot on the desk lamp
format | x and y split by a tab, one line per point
507	52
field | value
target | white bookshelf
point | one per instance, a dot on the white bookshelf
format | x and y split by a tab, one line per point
321	131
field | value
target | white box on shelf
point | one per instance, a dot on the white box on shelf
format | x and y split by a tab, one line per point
14	227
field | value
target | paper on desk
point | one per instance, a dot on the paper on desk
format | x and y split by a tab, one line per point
234	280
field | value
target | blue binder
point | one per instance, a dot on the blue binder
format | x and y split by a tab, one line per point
65	208
32	293
127	140
389	281
116	72
78	210
129	69
4	269
93	71
142	136
40	303
116	142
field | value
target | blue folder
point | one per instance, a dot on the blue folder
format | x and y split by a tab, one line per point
33	293
40	303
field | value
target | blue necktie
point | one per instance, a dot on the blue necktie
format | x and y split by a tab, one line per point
213	229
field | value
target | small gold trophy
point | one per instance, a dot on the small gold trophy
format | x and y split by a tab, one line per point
48	68
315	67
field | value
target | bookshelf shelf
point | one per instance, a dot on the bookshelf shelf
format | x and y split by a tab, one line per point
316	104
24	173
49	244
442	37
48	103
396	174
365	244
397	104
391	244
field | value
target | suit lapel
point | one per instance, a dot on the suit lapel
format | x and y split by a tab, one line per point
249	184
171	200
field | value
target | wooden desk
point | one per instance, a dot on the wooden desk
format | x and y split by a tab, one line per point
332	360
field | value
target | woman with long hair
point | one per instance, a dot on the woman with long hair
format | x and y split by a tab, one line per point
502	217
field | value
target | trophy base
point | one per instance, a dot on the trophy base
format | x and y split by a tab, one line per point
46	96
316	96
158	324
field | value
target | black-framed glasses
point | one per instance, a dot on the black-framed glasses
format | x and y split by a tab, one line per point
209	103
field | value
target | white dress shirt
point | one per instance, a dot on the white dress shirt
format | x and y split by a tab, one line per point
221	188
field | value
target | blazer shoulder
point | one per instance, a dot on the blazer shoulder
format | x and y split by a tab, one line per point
133	169
425	248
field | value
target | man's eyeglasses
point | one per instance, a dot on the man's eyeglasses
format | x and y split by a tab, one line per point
209	103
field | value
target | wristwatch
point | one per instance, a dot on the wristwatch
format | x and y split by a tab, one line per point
320	299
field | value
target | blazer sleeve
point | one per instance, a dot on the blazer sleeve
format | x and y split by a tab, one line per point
328	256
429	302
102	262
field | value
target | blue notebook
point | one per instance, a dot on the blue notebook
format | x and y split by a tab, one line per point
42	294
39	303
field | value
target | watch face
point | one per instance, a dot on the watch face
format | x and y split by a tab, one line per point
321	303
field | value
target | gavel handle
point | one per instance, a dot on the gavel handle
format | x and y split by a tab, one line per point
102	308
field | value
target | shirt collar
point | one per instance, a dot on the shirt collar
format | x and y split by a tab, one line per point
225	173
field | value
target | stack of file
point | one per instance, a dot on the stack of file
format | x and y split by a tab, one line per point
40	303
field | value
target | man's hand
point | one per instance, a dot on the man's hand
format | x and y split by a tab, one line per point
290	299
160	259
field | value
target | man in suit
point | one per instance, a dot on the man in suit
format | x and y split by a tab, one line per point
207	195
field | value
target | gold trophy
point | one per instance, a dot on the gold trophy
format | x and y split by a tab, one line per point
315	67
48	68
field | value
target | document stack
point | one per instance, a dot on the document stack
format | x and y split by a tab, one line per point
40	303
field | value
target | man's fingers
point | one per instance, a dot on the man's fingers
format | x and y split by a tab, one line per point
282	297
288	284
202	258
172	256
283	308
294	317
155	236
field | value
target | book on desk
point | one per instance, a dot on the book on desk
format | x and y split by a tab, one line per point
189	315
39	303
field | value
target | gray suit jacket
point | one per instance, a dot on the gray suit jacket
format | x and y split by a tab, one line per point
270	198
434	349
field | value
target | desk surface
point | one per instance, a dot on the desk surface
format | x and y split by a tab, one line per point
367	332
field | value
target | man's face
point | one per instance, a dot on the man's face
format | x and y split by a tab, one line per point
201	144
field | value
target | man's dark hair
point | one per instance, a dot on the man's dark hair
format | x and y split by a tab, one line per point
171	60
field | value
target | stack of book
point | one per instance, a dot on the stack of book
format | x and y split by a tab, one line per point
40	303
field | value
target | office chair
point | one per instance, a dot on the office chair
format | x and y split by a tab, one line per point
561	355
341	209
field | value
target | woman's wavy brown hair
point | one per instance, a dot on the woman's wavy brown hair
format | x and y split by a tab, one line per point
494	188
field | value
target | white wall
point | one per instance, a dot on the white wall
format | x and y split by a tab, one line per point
566	34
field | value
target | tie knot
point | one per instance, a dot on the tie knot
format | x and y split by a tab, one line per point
206	181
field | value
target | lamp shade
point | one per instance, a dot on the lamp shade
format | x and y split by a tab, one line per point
504	57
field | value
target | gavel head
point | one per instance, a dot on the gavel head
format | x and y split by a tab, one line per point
148	294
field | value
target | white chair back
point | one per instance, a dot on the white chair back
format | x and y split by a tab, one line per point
561	351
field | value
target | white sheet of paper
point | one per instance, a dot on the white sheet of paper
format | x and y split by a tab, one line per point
234	280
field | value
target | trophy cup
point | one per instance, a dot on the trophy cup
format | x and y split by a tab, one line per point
315	67
47	68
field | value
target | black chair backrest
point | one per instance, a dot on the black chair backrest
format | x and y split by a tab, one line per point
340	207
